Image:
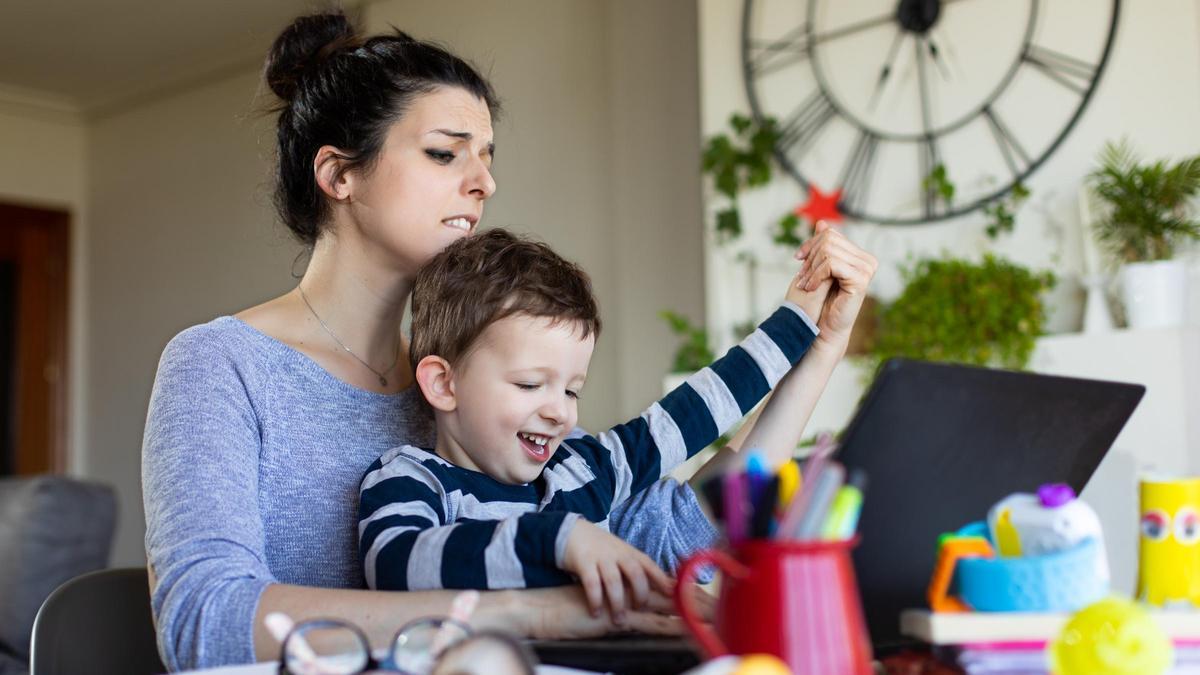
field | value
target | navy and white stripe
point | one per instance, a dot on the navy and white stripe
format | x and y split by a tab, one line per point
426	524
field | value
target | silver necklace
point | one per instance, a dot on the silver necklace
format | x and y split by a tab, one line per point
380	374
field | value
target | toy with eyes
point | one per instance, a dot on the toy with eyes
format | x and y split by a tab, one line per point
1169	550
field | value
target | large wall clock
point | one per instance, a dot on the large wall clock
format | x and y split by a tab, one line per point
872	95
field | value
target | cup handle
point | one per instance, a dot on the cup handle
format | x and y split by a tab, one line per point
709	642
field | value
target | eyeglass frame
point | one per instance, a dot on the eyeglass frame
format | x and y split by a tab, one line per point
372	663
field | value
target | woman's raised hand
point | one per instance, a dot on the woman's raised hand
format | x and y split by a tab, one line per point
827	256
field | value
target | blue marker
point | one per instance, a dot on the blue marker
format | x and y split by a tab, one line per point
757	476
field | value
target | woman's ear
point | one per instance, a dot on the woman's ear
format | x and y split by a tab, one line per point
437	383
329	168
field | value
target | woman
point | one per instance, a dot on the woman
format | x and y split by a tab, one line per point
261	424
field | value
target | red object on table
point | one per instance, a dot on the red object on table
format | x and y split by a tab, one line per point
796	600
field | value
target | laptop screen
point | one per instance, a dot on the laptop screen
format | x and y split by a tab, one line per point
942	443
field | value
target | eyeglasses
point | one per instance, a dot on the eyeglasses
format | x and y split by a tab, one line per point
426	646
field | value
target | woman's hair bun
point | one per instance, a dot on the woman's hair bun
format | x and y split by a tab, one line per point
304	45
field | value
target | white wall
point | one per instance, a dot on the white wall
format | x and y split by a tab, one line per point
600	124
43	150
1150	92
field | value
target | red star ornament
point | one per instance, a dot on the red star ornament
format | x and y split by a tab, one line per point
821	206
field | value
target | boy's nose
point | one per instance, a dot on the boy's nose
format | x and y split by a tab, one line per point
555	410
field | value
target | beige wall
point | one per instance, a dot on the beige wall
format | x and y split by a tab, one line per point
597	155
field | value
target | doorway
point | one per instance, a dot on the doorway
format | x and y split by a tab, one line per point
33	339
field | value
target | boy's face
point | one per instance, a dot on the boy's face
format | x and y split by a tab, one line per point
516	396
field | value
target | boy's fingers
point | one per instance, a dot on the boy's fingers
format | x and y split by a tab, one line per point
660	579
593	590
614	588
639	587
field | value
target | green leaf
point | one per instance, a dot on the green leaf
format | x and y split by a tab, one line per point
729	224
785	233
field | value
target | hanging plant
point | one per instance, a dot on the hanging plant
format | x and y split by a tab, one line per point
737	161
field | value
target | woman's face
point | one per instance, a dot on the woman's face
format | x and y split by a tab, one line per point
430	180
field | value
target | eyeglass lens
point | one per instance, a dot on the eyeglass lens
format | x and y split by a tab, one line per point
418	644
325	649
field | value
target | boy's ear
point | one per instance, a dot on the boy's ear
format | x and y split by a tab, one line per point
329	168
437	383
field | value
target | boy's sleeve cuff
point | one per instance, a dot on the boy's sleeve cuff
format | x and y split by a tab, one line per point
560	542
812	325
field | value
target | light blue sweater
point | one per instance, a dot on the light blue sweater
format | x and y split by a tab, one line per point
251	465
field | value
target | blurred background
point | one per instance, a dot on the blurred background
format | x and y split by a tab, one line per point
135	191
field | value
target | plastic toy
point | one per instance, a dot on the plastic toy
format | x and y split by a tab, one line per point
1169	546
1111	637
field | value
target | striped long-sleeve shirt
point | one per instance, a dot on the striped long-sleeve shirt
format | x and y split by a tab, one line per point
425	523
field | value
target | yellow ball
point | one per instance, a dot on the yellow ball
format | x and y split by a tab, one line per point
762	664
1111	637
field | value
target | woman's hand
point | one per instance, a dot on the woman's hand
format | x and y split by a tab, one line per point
562	614
830	255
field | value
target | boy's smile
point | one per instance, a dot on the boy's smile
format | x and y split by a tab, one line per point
515	397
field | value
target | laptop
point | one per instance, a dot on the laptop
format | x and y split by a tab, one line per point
942	443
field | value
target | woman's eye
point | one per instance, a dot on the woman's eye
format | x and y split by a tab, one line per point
572	394
440	156
1155	525
527	386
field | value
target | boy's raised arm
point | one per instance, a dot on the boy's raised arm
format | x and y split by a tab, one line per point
710	402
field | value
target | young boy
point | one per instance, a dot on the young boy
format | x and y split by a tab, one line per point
503	331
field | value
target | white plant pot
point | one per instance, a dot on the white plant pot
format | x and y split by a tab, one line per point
1155	293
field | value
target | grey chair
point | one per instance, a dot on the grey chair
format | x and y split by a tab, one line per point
52	529
98	623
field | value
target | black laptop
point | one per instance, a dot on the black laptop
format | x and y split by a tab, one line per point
942	443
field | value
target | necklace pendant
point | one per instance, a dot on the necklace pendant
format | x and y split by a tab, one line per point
382	381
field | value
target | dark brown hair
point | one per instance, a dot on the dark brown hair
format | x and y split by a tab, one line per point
481	279
341	89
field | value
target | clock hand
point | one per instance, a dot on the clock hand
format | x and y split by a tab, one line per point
886	71
935	55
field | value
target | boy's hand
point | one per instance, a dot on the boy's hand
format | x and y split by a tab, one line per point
605	564
812	302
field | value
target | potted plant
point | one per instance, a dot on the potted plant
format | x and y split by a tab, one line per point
988	313
1147	214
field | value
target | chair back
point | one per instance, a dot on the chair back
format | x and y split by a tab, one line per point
52	529
97	623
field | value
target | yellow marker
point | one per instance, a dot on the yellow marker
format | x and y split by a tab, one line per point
1007	538
789	481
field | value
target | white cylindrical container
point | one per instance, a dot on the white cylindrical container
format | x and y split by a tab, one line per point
1052	520
1155	293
